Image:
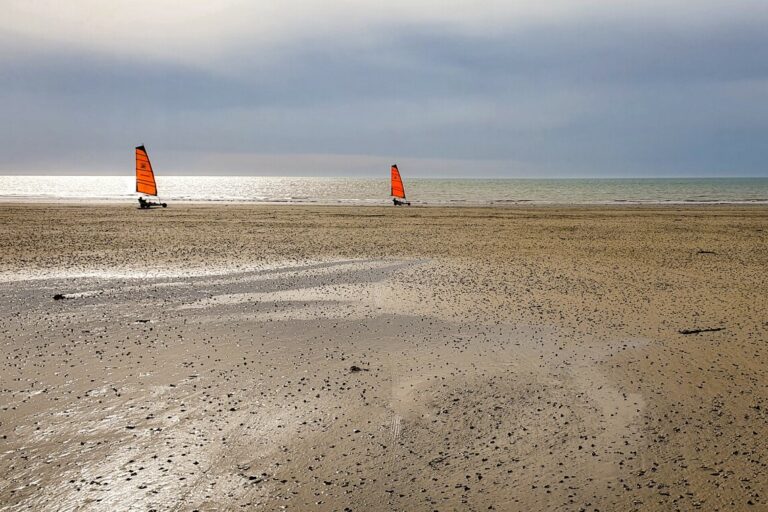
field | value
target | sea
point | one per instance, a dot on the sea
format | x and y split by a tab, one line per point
374	191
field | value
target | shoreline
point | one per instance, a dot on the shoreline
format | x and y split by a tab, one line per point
384	204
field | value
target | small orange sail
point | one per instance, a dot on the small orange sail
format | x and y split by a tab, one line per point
397	183
145	178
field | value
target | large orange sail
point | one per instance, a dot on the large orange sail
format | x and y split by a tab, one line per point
397	183
145	178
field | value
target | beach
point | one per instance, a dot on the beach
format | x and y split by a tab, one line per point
230	356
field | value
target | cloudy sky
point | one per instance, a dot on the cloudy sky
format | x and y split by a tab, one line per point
345	87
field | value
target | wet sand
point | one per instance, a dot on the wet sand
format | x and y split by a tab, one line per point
342	358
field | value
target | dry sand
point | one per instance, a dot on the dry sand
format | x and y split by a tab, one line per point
509	359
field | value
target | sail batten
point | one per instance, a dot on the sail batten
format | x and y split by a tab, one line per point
397	183
145	177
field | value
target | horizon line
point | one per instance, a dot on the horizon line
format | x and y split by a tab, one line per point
385	176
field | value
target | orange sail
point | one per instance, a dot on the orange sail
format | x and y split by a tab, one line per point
145	178
397	184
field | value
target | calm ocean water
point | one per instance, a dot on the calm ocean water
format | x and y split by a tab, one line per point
376	191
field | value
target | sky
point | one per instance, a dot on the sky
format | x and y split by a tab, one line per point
495	88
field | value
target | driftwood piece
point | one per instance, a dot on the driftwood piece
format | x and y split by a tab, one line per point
697	331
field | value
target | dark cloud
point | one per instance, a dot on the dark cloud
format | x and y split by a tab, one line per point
596	98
